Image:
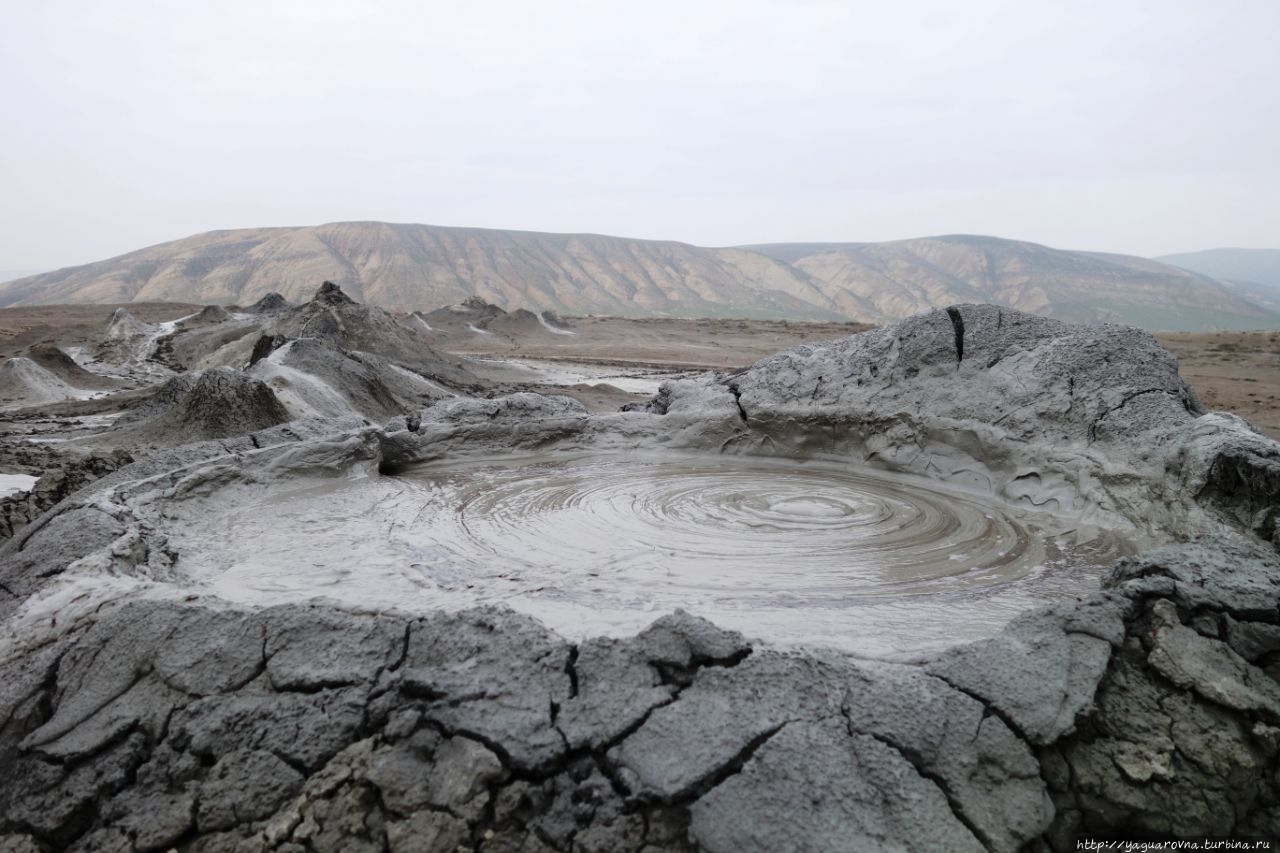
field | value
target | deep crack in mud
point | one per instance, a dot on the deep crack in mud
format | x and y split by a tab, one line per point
802	554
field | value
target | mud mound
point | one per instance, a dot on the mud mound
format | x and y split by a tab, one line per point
128	346
194	342
524	324
478	307
223	403
122	326
519	320
23	382
164	397
553	322
330	294
312	378
474	312
60	364
334	317
208	316
418	319
215	404
269	304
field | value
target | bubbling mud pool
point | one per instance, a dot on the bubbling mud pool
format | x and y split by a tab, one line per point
800	554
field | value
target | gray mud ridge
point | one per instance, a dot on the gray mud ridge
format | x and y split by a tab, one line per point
72	475
220	374
1092	420
1152	705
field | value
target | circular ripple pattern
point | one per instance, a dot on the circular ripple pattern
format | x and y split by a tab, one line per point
797	554
732	529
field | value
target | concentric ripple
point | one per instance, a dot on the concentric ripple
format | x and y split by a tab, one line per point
794	553
743	532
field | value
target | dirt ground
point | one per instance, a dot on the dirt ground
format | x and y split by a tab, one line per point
1231	371
663	343
74	325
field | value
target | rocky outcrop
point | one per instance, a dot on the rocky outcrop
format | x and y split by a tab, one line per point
519	407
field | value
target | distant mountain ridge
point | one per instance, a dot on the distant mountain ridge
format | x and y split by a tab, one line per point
1253	273
903	277
1260	266
422	267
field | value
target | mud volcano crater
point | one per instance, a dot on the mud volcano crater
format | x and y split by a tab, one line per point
801	553
309	637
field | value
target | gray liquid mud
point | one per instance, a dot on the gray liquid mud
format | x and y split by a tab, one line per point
795	554
635	380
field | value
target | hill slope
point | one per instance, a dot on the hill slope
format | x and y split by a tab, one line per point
907	276
420	267
1253	273
410	267
1260	266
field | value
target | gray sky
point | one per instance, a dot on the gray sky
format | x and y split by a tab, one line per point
1140	127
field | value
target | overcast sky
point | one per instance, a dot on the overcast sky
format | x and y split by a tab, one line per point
1139	127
